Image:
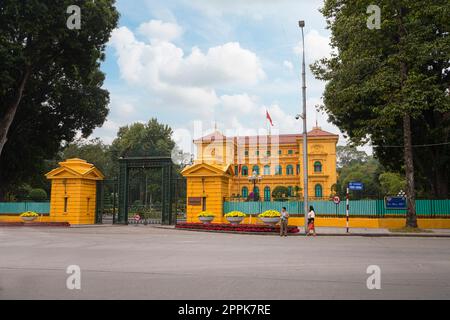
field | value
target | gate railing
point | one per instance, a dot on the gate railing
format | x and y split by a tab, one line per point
14	208
362	208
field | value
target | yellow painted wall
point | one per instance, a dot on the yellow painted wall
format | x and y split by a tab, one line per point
78	193
214	189
73	192
384	223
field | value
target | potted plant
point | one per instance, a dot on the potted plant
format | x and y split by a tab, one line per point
206	217
270	217
235	217
29	216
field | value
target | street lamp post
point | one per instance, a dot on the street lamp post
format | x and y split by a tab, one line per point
305	131
254	178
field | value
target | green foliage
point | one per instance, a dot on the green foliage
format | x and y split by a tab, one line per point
280	193
392	183
152	139
38	195
366	173
94	151
63	93
375	77
143	140
348	155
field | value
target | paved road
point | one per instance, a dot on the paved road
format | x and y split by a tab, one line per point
149	263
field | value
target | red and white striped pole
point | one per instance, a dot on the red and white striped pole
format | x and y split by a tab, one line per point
347	212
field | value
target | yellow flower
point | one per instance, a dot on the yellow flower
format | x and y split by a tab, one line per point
270	214
206	214
235	214
29	214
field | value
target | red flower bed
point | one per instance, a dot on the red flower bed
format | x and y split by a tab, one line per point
253	228
35	224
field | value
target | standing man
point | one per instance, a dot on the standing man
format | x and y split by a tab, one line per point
284	222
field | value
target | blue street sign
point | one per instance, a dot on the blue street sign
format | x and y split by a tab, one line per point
396	203
356	186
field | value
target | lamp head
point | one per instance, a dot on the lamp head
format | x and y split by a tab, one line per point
301	23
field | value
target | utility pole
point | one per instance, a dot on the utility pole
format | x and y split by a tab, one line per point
305	131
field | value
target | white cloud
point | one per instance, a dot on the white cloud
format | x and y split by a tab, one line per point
159	30
252	8
243	115
241	104
108	132
316	46
220	65
125	109
287	64
184	81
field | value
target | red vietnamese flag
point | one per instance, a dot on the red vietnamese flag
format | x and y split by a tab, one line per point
269	118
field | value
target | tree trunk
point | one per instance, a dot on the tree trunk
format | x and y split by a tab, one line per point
411	218
11	110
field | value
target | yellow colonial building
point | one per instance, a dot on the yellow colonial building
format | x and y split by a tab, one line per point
224	165
74	191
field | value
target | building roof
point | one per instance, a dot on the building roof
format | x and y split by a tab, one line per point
207	169
75	168
283	138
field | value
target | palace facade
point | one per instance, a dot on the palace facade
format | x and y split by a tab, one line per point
224	167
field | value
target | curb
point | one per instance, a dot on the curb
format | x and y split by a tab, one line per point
300	234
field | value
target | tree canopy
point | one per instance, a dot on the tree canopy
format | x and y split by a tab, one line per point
143	140
93	151
378	182
390	86
50	80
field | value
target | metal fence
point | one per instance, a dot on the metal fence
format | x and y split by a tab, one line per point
361	208
13	208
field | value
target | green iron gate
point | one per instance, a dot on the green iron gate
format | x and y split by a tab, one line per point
167	186
107	196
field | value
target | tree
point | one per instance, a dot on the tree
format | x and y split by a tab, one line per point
391	183
143	140
93	151
348	155
399	74
280	193
38	195
50	80
365	172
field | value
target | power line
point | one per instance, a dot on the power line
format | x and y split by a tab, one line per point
416	146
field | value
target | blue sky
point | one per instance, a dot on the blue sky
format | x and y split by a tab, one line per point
194	63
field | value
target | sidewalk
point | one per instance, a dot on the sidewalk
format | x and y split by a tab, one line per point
366	232
342	232
321	231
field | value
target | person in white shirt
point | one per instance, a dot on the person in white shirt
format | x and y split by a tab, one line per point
284	222
311	219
